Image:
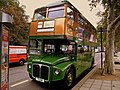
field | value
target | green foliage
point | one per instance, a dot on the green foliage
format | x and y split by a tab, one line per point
104	15
117	37
19	29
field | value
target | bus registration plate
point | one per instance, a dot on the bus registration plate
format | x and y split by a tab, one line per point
39	79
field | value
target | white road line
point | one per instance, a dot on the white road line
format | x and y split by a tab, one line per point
19	83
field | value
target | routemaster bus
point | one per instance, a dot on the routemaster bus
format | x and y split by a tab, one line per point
61	44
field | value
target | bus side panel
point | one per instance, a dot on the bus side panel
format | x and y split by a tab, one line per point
33	28
71	28
59	26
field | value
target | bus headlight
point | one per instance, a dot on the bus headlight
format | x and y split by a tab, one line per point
57	72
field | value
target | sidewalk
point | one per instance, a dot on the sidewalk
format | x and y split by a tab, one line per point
94	84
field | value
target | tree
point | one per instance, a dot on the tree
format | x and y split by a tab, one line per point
103	22
113	22
19	29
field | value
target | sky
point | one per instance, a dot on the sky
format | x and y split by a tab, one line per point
81	5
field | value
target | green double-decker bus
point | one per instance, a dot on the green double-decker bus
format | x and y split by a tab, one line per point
61	44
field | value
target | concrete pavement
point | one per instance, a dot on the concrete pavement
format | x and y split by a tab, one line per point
93	84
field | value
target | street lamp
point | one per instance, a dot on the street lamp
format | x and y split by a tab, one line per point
101	30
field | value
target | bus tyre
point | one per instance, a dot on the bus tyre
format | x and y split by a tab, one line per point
69	78
21	62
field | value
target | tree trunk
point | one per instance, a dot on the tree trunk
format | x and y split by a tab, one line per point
109	54
110	38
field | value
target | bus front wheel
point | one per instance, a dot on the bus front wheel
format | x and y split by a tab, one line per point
69	78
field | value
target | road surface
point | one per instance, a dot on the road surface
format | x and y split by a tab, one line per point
19	80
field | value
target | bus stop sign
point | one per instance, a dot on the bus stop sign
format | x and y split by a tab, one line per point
5	21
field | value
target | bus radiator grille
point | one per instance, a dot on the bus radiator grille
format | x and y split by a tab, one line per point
44	72
36	71
41	71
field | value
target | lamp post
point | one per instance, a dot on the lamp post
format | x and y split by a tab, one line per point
101	48
101	30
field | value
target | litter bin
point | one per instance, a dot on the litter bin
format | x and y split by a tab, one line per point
5	21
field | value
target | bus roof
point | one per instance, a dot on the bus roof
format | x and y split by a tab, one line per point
57	3
53	4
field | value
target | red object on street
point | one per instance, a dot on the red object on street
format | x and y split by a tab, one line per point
17	54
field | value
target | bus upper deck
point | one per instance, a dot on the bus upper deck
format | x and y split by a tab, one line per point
60	20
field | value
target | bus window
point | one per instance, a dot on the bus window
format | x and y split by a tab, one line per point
40	14
80	20
56	12
67	49
80	49
70	13
86	48
35	47
49	48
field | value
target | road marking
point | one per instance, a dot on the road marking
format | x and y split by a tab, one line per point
19	83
